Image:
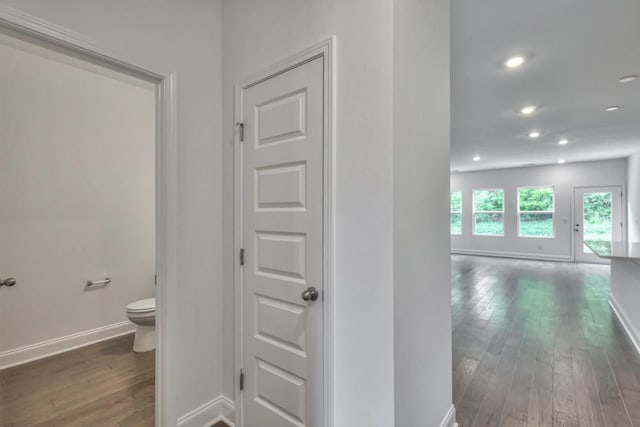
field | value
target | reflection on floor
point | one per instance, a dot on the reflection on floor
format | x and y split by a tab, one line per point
105	384
536	344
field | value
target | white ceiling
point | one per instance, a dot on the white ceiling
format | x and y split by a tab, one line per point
576	51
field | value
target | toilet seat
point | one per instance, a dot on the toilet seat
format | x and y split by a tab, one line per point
142	306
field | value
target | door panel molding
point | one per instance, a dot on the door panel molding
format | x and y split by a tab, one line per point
286	202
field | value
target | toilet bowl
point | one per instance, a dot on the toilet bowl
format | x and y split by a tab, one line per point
143	314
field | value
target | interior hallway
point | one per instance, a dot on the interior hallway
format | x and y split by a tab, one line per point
536	344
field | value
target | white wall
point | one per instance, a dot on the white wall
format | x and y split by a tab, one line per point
563	177
183	36
256	34
625	294
77	183
422	290
633	196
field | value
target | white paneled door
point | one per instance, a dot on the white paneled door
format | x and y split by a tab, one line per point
282	238
597	219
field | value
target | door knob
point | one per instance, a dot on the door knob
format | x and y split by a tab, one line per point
310	294
8	282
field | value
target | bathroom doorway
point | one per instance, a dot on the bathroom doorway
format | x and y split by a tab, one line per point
78	182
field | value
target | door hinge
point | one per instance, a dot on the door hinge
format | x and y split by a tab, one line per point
241	129
241	379
241	256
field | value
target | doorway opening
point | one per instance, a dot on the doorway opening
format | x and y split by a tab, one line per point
43	36
597	221
544	184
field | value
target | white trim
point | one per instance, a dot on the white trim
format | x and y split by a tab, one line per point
208	414
326	49
449	420
518	255
227	411
166	180
626	324
29	353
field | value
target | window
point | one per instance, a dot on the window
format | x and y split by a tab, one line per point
535	211
456	212
488	212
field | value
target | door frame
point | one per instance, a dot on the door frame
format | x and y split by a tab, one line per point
574	210
53	36
326	50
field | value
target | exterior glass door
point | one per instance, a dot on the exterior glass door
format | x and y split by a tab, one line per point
598	219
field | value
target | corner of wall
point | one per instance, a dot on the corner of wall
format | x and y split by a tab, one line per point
219	409
449	419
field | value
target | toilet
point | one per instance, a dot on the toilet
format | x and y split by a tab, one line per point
143	314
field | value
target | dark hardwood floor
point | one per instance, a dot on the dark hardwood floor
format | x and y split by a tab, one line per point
105	384
536	344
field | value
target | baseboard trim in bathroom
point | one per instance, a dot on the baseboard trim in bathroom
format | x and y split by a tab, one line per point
40	350
213	413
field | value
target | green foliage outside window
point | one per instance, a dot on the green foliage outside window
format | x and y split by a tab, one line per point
536	207
536	199
456	201
488	212
597	208
489	200
456	212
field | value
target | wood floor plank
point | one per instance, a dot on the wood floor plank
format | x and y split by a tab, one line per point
613	407
462	376
564	390
588	406
540	408
105	384
575	366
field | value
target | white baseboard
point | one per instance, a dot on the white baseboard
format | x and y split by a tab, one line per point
624	321
219	409
21	355
223	409
517	255
449	420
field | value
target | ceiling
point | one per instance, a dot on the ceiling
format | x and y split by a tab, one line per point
575	50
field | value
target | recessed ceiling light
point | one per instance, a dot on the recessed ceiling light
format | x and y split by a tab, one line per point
534	134
628	79
476	158
528	110
561	161
563	142
612	108
514	61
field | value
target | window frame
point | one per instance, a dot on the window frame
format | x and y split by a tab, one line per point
552	212
455	212
475	212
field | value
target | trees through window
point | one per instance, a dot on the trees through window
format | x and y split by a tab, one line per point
456	212
536	207
488	212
